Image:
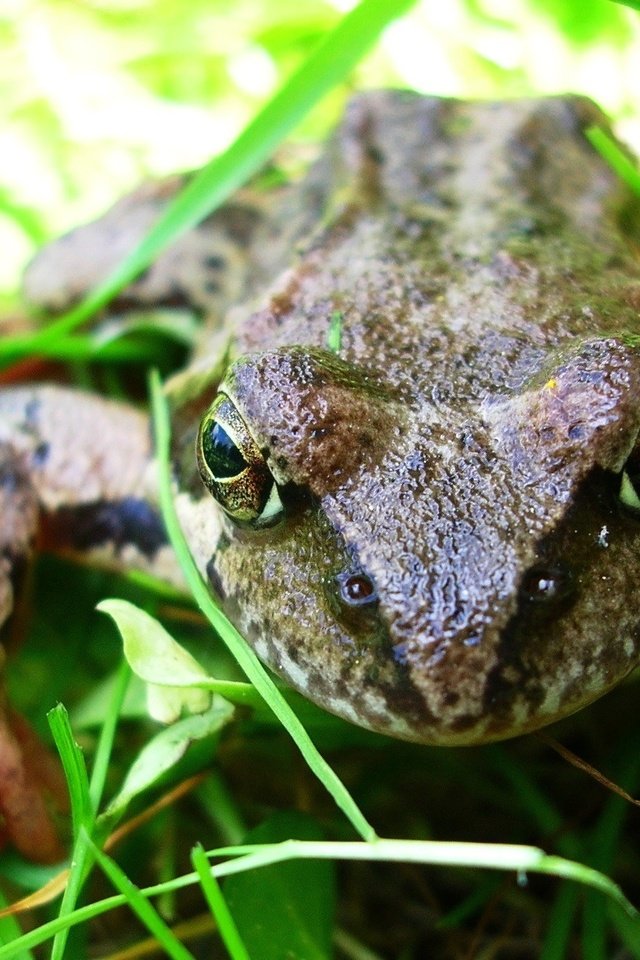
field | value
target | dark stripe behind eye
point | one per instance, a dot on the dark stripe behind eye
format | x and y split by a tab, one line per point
130	521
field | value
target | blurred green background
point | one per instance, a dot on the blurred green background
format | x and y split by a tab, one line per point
97	94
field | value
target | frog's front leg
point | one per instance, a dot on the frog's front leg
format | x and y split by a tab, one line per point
75	475
79	468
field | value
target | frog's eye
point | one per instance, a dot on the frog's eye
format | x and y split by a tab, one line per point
233	469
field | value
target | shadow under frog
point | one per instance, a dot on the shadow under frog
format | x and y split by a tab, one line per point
419	527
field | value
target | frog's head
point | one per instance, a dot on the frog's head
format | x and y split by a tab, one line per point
447	577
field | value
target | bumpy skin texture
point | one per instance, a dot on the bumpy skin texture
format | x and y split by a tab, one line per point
484	399
461	448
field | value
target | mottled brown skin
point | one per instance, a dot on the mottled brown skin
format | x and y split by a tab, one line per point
459	452
485	400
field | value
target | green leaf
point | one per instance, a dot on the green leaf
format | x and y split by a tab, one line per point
165	749
285	910
175	678
634	4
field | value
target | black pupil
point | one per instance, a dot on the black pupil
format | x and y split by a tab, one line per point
220	452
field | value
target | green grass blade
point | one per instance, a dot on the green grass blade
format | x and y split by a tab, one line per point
605	848
627	930
10	931
330	63
74	768
237	644
217	905
493	856
81	816
61	924
615	157
145	912
559	924
505	857
84	796
107	734
334	333
221	808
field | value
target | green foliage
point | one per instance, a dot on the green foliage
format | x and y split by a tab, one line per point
587	22
229	932
94	96
211	186
299	897
146	913
624	166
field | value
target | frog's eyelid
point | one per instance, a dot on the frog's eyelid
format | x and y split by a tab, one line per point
216	413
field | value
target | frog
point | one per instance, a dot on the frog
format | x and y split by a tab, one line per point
405	449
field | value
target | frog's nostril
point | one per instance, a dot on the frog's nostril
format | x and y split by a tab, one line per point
354	601
356	589
546	584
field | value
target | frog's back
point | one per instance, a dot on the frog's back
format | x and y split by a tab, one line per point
479	233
